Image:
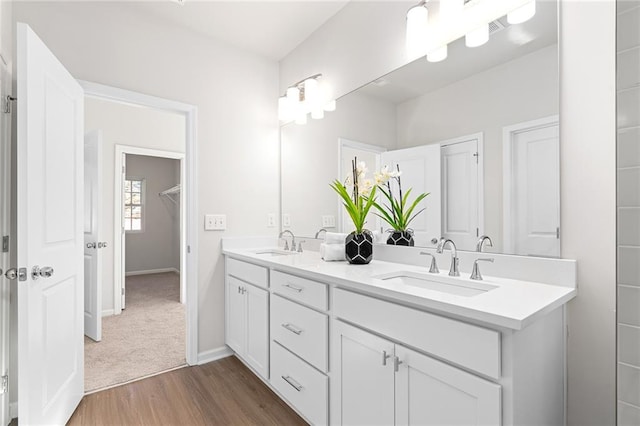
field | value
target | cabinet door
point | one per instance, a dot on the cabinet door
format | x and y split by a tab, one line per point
235	315
257	329
362	388
429	392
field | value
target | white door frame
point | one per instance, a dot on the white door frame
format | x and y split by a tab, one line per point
508	133
119	272
480	138
189	236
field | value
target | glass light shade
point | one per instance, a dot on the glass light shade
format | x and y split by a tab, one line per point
437	55
311	91
330	106
477	37
417	27
301	118
522	14
293	95
317	113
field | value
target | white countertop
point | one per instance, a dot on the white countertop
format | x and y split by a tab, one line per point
513	304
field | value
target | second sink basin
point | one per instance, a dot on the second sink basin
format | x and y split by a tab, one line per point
452	286
274	252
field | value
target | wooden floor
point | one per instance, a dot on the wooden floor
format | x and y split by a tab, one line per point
223	392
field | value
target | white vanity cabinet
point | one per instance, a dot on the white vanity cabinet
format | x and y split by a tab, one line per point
382	383
247	313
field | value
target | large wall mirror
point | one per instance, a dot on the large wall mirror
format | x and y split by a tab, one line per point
478	131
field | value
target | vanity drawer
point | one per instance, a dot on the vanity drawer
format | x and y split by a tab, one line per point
301	330
468	345
303	290
300	384
254	274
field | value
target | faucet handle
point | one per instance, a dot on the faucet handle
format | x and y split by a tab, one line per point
286	244
300	245
433	268
475	272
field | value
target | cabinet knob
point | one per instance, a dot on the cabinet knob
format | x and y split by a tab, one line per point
385	357
396	363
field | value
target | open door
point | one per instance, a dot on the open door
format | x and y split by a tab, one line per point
92	244
49	234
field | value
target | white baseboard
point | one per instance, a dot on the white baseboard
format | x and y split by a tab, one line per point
214	355
107	312
13	410
152	271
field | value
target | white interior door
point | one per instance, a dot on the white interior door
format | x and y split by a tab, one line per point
535	191
92	243
49	234
5	204
460	187
420	167
123	240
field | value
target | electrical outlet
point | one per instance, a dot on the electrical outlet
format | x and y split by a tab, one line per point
328	221
215	222
271	220
286	220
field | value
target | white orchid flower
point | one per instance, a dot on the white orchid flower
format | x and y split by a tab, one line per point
361	169
365	186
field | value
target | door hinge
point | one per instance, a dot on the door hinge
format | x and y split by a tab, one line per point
188	249
558	233
477	155
477	232
5	244
4	384
122	291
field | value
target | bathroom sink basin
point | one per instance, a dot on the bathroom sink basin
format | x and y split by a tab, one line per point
274	252
456	286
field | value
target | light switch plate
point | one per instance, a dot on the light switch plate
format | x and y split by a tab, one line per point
215	222
328	221
271	220
286	220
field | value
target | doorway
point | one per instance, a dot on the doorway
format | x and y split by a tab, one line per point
165	196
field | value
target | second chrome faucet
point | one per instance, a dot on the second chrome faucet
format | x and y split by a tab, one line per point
454	270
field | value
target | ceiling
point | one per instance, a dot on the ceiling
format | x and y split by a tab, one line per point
268	28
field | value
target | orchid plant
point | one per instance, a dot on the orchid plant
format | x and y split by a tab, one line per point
399	212
357	192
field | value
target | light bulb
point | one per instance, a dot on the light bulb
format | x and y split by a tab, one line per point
301	118
293	95
522	14
311	91
417	26
330	106
437	55
317	113
477	37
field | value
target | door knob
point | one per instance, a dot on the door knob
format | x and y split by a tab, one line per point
19	273
102	244
44	272
91	245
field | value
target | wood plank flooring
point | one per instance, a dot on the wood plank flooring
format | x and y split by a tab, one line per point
223	392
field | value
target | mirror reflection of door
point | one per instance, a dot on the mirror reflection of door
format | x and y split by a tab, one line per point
461	187
532	182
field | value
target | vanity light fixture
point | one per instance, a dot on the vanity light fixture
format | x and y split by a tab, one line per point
522	14
459	16
417	27
477	37
306	96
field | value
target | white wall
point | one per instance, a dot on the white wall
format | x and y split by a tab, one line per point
236	94
520	90
126	125
628	89
310	155
365	40
155	247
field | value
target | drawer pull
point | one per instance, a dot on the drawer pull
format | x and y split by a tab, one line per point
293	287
294	384
292	328
396	363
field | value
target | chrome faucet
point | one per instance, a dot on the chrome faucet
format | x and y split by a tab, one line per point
481	241
320	231
475	273
433	268
453	270
293	240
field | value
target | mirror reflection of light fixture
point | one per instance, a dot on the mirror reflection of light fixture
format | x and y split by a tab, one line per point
451	23
308	96
522	14
417	27
477	37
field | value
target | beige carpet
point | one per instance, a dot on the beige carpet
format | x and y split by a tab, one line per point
147	338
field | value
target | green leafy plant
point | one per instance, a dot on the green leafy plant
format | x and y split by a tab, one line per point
362	196
398	212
